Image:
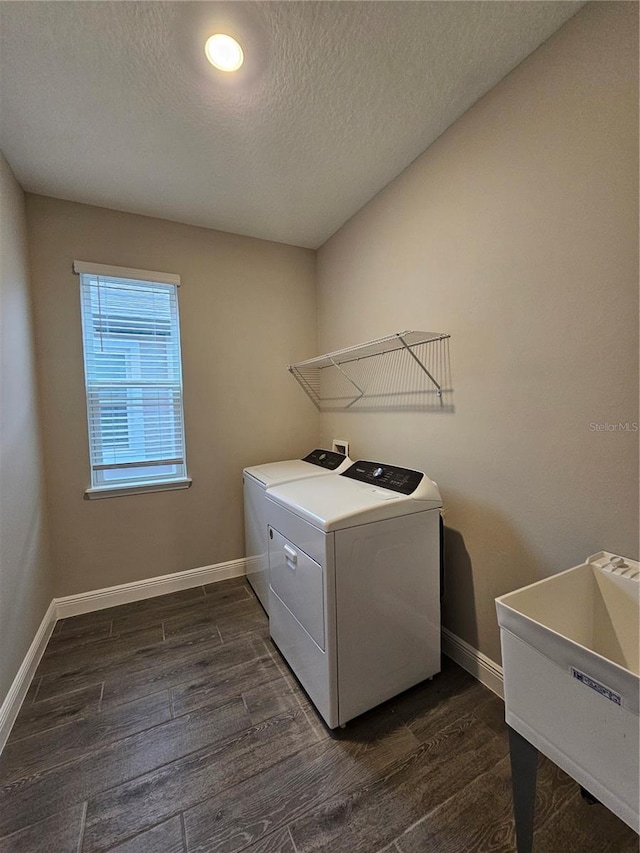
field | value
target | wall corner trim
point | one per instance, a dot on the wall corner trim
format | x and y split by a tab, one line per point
18	690
485	670
87	602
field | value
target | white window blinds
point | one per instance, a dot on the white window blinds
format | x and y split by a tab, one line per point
133	377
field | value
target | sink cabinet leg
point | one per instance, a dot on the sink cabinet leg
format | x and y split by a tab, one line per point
524	760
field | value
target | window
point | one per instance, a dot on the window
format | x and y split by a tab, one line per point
133	380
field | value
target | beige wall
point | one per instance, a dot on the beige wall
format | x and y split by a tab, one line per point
517	233
247	308
26	578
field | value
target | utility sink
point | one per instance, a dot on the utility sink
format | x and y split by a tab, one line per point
571	650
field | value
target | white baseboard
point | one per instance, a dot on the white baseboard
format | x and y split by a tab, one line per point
98	599
18	690
487	671
479	665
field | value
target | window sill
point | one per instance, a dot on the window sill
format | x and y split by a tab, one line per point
142	488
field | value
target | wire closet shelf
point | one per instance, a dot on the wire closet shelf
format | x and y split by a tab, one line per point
420	349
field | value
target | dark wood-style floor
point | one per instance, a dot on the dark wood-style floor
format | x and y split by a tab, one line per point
172	725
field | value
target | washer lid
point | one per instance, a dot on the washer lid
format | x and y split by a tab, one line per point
318	462
334	503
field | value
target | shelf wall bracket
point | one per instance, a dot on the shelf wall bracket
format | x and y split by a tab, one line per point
350	380
421	365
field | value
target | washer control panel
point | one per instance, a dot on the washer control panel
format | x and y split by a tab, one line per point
325	459
402	480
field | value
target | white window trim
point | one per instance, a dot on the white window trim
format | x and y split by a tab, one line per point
139	489
123	489
125	272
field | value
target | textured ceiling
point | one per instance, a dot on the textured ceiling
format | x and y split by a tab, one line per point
114	104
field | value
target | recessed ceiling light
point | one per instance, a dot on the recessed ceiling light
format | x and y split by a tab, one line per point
224	52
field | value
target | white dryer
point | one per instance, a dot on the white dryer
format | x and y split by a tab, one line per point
354	594
255	480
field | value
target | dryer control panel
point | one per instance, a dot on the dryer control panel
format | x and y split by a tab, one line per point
391	477
328	459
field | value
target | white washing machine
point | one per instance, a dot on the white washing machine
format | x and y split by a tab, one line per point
254	481
354	593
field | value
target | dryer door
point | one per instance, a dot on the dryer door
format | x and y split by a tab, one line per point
297	580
